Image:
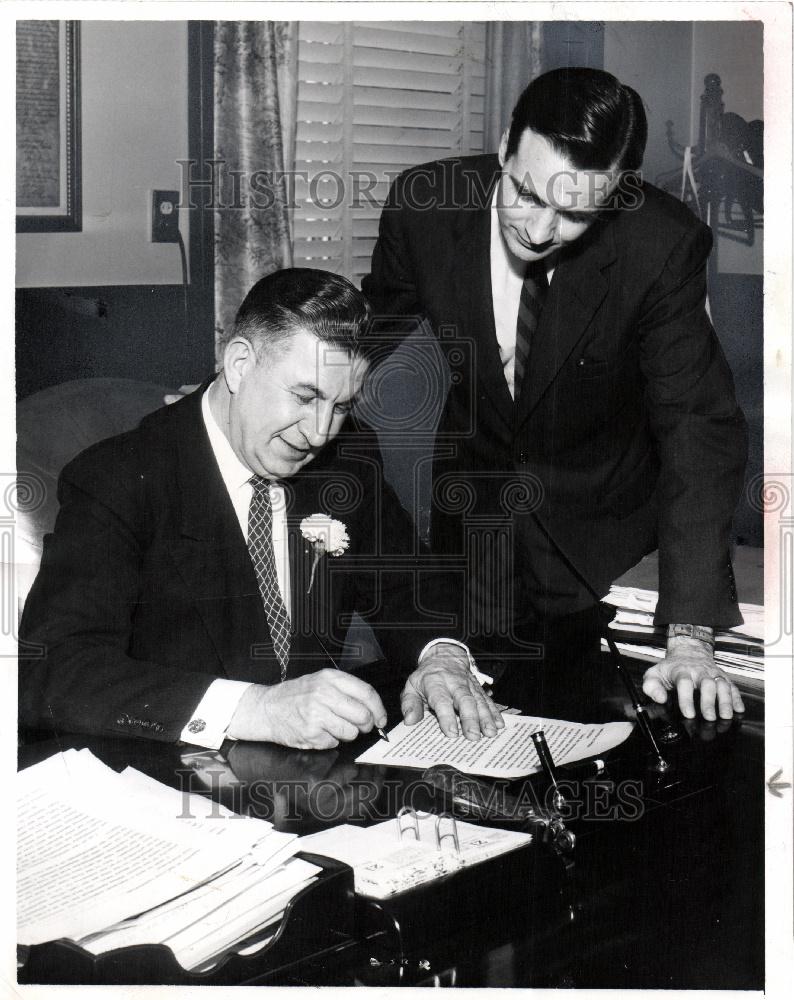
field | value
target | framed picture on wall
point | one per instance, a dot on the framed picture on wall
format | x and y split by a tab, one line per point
48	181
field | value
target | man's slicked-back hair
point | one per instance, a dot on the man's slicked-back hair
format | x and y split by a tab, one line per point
587	115
302	298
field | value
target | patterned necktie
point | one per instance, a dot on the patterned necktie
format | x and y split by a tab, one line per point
533	295
260	547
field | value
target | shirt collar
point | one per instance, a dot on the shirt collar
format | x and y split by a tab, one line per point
235	475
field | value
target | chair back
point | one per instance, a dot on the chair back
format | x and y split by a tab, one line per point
53	426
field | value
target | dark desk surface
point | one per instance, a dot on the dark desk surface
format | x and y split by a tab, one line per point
666	889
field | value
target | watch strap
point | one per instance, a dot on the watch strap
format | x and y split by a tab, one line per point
701	632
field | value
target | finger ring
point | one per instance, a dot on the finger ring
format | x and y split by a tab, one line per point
717	677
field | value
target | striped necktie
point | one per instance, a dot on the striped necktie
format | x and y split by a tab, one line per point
260	548
533	295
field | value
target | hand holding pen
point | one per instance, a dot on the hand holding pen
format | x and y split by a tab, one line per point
334	664
315	711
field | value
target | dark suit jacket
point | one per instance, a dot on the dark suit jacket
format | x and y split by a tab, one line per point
146	591
627	433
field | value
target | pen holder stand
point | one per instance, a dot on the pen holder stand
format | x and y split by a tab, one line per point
467	797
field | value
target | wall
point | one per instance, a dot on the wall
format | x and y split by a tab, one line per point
134	111
655	57
734	50
666	62
105	302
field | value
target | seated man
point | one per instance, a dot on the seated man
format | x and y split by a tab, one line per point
182	594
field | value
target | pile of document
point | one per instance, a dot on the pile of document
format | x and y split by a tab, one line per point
110	860
739	651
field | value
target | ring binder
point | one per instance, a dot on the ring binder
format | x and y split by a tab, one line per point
453	832
413	826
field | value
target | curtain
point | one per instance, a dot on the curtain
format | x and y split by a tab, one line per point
255	107
513	57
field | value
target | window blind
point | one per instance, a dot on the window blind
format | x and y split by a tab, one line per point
374	98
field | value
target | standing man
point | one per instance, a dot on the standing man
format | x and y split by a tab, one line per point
591	416
187	587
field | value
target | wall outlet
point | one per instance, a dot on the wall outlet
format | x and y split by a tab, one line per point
165	217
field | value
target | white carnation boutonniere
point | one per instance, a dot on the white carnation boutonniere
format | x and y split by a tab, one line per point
326	534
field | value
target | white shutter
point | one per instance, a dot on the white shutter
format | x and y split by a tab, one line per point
375	97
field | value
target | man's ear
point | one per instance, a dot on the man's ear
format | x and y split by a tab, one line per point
503	147
238	359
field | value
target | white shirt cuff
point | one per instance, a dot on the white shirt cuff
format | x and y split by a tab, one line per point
210	719
481	678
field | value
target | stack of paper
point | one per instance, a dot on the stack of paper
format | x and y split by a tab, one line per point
384	863
110	860
739	651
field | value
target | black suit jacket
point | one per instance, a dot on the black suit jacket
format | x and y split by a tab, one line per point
627	433
146	591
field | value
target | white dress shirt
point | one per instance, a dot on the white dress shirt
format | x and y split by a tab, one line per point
507	277
214	712
209	722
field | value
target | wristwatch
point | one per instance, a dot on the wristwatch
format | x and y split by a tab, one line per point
701	632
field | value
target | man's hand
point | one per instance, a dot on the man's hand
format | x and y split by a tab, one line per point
444	682
314	712
689	664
